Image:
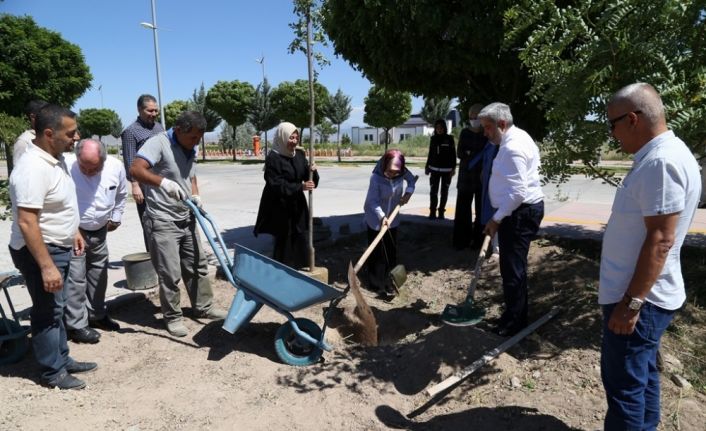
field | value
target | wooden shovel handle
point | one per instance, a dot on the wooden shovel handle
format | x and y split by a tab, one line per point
377	239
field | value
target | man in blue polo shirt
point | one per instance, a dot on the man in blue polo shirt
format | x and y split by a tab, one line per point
641	284
165	165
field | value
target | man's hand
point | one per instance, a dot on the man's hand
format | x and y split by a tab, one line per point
172	189
79	244
196	199
405	198
623	320
137	193
52	279
427	171
112	225
491	228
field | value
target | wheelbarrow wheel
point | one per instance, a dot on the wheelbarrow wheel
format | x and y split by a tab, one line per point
12	349
292	349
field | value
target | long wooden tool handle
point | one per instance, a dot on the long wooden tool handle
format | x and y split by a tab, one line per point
490	355
479	263
377	239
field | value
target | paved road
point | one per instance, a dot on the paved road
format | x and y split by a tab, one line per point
231	194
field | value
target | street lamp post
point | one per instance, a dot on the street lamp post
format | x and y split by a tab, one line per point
153	27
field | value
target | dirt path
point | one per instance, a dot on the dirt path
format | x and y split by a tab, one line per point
212	380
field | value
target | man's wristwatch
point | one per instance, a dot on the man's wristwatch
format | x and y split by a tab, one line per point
633	304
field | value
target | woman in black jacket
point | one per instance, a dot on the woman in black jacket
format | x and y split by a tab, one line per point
441	165
283	211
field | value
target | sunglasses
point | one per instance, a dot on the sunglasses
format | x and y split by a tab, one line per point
616	119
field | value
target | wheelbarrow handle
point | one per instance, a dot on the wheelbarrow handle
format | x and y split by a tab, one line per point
377	239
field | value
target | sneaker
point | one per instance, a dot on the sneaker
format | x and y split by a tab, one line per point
76	367
212	313
66	382
177	328
83	335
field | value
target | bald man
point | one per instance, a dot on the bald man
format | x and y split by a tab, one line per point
641	284
101	190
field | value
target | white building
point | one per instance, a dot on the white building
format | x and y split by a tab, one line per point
414	126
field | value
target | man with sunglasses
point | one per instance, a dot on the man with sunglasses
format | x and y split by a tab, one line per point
641	284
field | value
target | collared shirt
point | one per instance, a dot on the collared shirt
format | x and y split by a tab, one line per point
39	181
664	179
23	142
133	137
515	176
101	197
167	158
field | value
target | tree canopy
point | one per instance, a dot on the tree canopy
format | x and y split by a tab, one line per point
231	100
387	109
262	114
98	121
452	49
198	103
290	100
36	63
435	108
173	109
580	53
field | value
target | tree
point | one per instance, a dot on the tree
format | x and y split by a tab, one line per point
289	99
339	110
95	121
36	63
198	104
387	109
243	136
262	114
453	50
116	127
324	129
10	129
435	108
579	53
232	101
173	110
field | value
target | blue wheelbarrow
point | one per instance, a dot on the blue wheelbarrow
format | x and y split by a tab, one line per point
260	281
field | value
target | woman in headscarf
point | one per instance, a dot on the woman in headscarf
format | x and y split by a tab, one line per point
385	192
283	211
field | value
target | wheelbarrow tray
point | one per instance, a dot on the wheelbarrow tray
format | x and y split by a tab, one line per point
277	284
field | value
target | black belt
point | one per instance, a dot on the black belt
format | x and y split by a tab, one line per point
529	205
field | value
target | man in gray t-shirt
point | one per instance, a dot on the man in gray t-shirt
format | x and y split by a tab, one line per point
165	165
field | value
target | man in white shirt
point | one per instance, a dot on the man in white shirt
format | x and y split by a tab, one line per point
44	229
516	196
24	141
101	190
641	284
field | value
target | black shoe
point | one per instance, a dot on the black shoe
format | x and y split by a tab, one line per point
76	367
432	215
441	215
84	335
106	324
66	382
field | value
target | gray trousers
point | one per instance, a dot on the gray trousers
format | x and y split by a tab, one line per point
177	254
87	281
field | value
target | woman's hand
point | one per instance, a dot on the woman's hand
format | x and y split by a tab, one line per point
405	198
313	167
385	222
308	185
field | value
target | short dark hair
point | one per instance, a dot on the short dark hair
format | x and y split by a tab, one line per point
50	117
190	119
33	106
144	99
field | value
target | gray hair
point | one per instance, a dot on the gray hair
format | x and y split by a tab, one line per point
495	112
102	152
190	119
641	96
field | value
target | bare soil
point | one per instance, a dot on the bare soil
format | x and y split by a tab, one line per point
212	380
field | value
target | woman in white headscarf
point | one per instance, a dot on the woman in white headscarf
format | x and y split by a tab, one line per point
283	211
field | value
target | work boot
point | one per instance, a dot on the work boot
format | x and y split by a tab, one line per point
212	313
76	367
177	328
432	214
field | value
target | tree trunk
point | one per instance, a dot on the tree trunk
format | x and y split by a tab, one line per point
235	141
312	122
338	142
203	148
387	138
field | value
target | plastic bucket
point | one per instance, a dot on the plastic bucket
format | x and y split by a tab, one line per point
139	272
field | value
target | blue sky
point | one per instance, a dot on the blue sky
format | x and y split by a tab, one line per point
204	41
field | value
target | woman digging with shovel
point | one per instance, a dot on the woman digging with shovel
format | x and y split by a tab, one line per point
386	193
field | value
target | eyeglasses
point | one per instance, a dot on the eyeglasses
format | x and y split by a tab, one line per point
616	119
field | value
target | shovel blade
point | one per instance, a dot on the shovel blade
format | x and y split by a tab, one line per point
369	325
463	314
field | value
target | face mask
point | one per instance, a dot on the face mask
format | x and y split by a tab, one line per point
475	123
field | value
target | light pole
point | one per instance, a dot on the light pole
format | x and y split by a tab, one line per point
261	60
153	26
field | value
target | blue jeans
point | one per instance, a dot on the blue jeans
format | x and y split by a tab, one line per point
629	370
48	332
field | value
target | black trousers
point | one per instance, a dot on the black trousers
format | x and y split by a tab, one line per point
382	259
434	179
515	233
291	249
466	229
